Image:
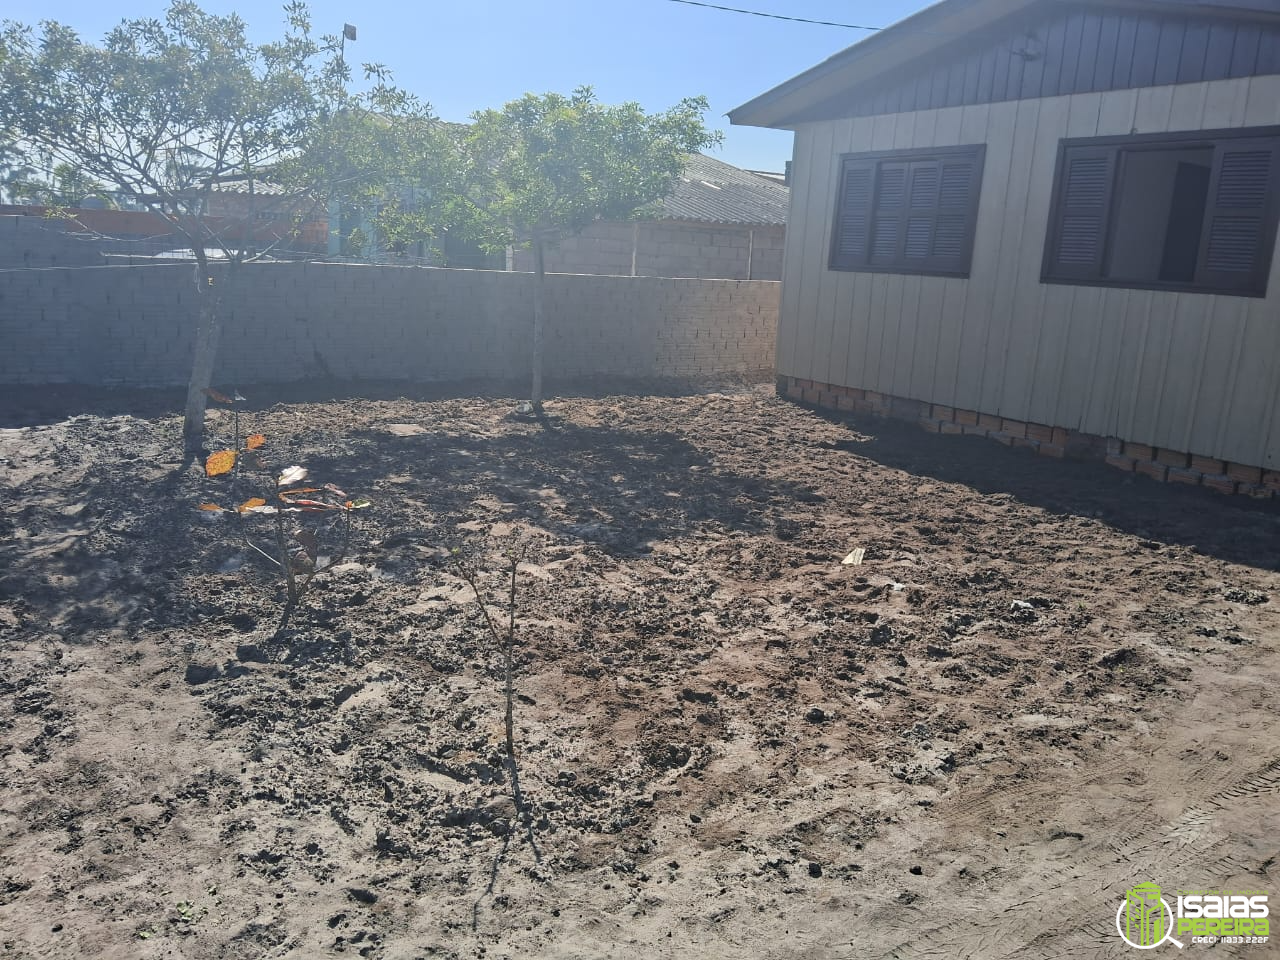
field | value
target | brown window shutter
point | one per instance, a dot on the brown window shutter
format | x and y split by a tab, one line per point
922	211
1235	248
1078	227
890	214
850	242
958	193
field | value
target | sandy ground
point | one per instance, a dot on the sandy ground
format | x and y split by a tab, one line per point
1045	683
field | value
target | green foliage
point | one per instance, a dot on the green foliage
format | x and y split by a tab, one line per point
67	187
550	163
164	111
545	165
395	171
16	171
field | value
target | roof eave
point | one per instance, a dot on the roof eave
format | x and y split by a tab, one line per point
913	36
924	32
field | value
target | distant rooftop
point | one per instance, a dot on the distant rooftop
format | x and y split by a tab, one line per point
713	191
244	185
709	191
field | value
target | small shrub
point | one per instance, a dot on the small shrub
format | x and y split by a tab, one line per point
308	528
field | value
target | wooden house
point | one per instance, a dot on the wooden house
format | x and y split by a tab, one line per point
1049	222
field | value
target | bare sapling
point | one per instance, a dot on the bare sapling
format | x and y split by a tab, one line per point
505	641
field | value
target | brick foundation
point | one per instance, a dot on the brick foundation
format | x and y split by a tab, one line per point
1168	466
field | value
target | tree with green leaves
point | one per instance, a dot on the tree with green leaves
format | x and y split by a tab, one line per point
15	170
543	166
167	112
66	186
396	174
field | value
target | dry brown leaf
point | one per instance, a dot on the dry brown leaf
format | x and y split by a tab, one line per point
219	463
297	491
211	507
251	503
254	441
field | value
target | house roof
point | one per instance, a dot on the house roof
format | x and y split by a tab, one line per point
709	190
245	185
913	44
712	191
773	176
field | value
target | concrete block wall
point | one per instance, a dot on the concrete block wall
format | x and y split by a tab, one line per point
668	248
134	325
766	253
43	242
602	248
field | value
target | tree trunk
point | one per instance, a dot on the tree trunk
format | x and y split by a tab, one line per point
208	333
539	320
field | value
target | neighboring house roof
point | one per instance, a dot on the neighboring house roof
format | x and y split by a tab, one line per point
244	185
712	191
951	30
709	190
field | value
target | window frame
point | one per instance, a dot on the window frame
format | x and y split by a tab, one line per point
1116	147
964	259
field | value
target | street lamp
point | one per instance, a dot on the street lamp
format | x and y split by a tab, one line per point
348	33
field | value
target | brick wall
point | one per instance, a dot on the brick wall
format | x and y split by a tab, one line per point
1171	466
668	248
134	324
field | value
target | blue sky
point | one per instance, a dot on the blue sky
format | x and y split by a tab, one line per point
465	55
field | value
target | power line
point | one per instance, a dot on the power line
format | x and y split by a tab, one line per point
774	16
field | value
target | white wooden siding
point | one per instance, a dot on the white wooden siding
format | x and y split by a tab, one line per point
1194	372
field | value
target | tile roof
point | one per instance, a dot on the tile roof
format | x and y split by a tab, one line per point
709	191
242	185
712	191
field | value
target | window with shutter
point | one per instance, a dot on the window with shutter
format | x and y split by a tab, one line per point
908	211
1193	212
